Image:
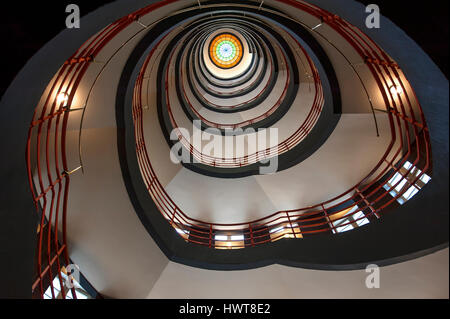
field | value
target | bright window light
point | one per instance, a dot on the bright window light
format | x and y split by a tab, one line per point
400	186
410	192
362	220
221	237
351	220
69	294
81	294
276	230
56	289
425	178
407	165
395	179
345	228
237	237
181	231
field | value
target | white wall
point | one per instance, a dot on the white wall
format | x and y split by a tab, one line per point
426	277
106	238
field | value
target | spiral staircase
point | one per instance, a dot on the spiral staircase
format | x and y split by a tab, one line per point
227	136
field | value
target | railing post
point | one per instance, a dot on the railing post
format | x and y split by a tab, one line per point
252	242
173	217
290	224
328	219
367	202
210	236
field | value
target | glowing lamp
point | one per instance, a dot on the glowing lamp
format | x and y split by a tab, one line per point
396	90
62	98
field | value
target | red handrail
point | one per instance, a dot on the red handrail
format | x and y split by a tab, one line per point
279	149
247	122
200	232
47	161
46	154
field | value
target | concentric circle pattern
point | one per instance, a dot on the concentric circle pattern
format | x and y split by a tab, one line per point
232	126
262	92
226	51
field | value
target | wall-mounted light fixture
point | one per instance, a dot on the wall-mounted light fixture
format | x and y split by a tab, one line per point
396	90
62	99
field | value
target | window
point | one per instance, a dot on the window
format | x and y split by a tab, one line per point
411	173
344	228
360	219
226	51
287	230
223	241
81	293
276	230
182	231
354	219
237	237
221	237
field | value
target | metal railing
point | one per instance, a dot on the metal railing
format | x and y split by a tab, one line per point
261	155
49	172
369	197
243	123
47	162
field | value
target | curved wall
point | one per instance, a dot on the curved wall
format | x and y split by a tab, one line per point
398	243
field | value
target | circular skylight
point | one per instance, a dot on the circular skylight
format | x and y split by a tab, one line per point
226	51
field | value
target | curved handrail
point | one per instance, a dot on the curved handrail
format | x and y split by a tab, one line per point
46	153
247	122
321	217
46	145
261	155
